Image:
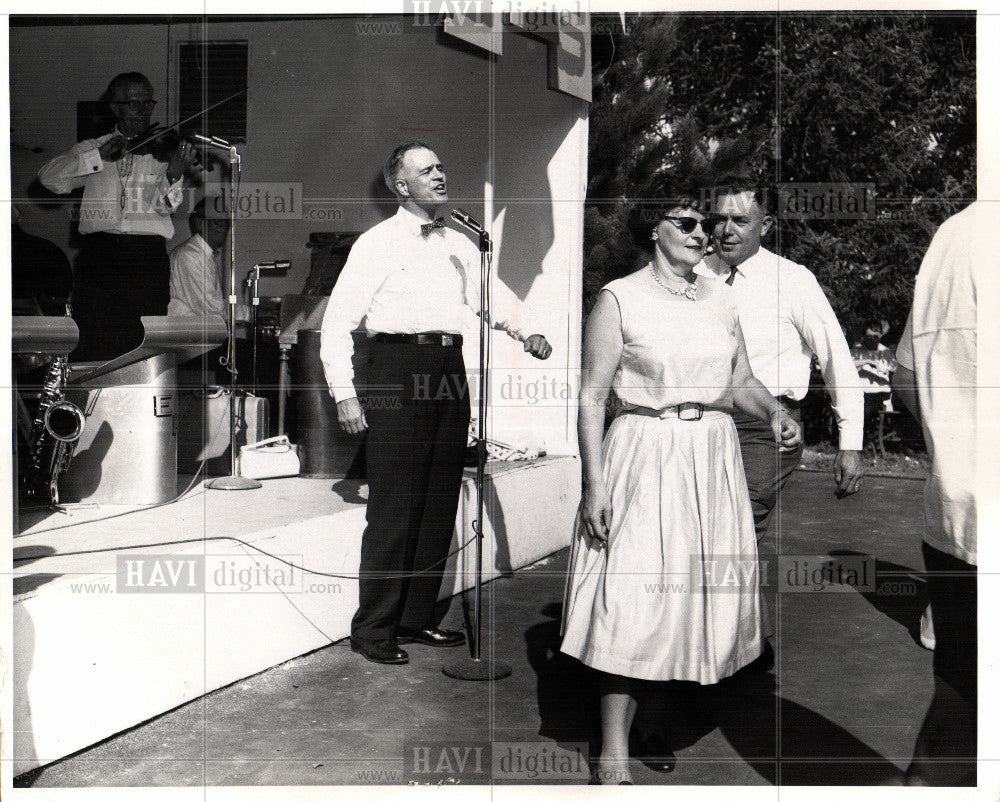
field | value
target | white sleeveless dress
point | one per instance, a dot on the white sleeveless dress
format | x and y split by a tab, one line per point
675	592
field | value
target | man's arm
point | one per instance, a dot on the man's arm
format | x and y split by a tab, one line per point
904	379
363	274
507	313
821	331
69	170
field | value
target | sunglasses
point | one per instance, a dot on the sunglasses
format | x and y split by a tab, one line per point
689	224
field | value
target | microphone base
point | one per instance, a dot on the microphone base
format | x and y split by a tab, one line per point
473	670
234	483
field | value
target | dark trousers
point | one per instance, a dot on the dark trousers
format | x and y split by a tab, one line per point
116	280
767	468
951	586
417	409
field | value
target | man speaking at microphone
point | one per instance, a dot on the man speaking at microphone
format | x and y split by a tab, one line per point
412	280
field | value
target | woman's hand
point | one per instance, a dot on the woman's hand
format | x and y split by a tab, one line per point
596	511
787	431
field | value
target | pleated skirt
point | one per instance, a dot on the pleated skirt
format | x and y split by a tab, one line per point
674	594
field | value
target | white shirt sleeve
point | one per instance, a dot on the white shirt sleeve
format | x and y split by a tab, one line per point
168	197
69	171
904	351
362	275
819	327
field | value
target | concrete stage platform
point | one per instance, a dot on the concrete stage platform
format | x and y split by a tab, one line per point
116	622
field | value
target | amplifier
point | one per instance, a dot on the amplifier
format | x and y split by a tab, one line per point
203	428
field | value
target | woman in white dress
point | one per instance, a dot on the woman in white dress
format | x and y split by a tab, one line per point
663	581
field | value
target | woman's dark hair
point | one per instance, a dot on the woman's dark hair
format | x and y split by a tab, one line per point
646	213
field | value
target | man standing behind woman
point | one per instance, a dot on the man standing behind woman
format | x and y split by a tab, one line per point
665	500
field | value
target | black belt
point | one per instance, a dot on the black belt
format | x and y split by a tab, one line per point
433	338
137	239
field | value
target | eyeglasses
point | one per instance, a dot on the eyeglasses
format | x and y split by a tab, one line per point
136	105
688	224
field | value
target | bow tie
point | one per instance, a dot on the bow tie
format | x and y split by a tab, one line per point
427	228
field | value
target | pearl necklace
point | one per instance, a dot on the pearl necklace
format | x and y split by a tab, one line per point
688	292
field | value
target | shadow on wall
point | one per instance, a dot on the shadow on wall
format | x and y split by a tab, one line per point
526	198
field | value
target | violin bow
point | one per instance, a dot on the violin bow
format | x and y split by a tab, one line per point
197	114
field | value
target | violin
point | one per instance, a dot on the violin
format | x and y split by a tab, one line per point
158	142
161	141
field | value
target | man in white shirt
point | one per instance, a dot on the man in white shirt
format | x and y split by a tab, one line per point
411	279
196	282
936	379
196	270
122	271
786	319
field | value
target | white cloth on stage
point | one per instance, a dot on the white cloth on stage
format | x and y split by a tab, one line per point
675	592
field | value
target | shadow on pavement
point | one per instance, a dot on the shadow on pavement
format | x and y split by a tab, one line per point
784	742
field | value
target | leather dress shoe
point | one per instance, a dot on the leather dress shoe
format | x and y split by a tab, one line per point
380	651
655	754
430	636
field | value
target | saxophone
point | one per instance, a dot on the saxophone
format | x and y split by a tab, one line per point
55	431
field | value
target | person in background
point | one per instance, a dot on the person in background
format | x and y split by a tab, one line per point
875	364
196	287
196	278
786	320
122	271
936	379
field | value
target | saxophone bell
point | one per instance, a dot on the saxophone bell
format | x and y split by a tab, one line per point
64	421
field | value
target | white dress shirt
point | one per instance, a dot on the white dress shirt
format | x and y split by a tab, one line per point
786	319
150	198
195	282
940	345
400	281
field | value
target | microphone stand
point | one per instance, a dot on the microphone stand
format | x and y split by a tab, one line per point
252	282
234	481
253	279
475	668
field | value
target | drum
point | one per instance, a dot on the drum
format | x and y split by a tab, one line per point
325	450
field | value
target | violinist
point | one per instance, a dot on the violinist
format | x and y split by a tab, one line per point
122	271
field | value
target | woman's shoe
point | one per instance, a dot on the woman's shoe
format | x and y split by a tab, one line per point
654	753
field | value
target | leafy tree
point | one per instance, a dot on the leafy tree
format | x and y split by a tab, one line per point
886	99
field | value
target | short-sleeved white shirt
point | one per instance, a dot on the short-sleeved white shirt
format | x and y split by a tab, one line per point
939	345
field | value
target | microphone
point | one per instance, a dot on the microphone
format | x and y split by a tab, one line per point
278	264
461	217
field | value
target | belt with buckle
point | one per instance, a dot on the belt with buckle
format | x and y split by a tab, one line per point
689	410
432	338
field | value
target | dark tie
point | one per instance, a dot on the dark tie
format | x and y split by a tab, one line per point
732	275
427	228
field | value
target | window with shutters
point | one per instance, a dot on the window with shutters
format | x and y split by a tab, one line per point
214	73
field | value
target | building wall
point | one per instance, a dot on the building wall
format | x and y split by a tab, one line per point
328	99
